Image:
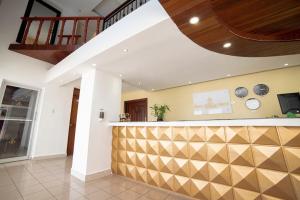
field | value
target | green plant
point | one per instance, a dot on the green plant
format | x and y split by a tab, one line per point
159	111
291	115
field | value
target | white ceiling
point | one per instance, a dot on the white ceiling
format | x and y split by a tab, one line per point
86	7
162	57
107	6
83	7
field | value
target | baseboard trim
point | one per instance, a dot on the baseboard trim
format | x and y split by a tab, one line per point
90	177
43	157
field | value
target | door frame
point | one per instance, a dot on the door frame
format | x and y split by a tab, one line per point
134	101
34	119
27	14
75	90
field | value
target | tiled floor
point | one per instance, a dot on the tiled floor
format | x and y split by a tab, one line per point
51	179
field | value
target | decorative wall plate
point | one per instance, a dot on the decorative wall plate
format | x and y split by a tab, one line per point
241	92
261	89
253	104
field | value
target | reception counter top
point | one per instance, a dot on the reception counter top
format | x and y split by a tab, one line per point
233	122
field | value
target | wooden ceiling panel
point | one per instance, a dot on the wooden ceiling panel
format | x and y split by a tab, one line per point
255	28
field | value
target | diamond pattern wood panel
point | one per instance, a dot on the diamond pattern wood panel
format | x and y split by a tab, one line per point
261	163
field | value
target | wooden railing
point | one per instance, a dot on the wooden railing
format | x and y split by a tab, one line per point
71	39
123	10
57	26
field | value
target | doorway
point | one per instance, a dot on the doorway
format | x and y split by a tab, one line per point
138	109
73	119
17	113
39	8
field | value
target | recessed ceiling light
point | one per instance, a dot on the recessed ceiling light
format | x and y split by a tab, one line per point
194	20
125	50
228	75
94	64
120	75
286	64
227	45
153	89
190	82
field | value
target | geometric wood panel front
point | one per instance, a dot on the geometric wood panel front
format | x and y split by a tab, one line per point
237	135
241	163
264	135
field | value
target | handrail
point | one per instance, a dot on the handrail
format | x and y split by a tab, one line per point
71	39
63	18
124	9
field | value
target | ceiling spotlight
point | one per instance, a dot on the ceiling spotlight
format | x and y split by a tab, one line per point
120	75
228	75
94	64
286	64
190	82
125	50
227	45
194	20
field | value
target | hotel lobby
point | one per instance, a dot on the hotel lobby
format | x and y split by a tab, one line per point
149	100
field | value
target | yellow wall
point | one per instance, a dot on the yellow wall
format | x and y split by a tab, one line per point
180	99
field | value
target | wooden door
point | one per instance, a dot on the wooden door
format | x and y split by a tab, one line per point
72	125
138	109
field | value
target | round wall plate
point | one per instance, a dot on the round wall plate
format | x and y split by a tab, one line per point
241	92
253	104
261	89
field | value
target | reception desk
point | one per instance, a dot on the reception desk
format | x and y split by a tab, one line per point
215	159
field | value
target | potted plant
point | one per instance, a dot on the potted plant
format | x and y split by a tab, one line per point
159	111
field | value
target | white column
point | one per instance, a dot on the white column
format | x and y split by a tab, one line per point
92	149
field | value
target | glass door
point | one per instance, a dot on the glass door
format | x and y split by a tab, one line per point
17	112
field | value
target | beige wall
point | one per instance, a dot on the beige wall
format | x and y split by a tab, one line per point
180	99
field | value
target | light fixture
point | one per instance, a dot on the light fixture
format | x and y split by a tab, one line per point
190	82
286	64
120	75
153	89
94	64
227	45
125	50
194	20
228	75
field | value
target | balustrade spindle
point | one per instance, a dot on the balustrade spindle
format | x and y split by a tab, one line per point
38	32
28	24
85	30
61	31
50	32
98	27
73	38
